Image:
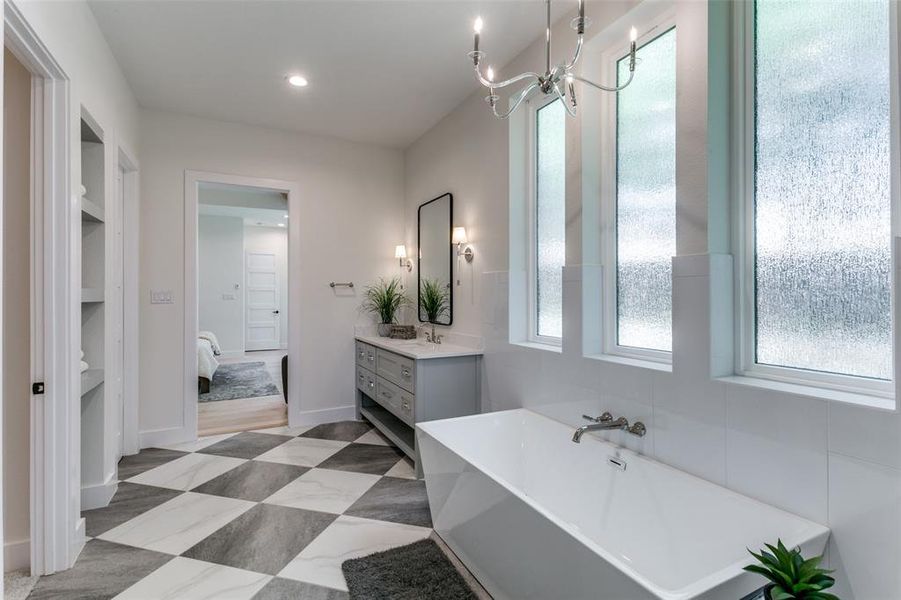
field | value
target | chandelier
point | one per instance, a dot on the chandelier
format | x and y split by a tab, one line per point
554	78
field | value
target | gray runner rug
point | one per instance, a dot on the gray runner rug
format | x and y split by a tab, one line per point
240	380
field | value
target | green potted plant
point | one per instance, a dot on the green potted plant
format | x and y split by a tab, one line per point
791	576
384	299
434	302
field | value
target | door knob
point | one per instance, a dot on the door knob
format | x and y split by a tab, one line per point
275	312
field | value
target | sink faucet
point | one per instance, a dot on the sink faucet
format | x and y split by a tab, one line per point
605	421
432	338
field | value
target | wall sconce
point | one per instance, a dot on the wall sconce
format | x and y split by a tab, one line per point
400	253
459	238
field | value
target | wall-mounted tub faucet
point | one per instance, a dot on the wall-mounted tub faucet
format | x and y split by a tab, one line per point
605	422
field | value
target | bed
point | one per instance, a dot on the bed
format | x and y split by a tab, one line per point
207	350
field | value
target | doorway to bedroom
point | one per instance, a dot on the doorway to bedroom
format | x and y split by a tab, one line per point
242	308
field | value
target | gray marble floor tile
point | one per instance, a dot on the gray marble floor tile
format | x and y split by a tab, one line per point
102	571
363	458
131	500
246	445
343	431
147	459
395	500
254	480
264	539
286	589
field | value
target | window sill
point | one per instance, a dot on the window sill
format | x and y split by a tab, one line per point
539	346
799	389
640	363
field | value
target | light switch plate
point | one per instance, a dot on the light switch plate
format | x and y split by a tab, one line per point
161	297
229	297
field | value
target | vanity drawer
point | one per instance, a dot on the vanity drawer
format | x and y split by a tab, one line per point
366	356
397	369
366	382
395	400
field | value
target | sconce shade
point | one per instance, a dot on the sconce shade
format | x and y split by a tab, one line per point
400	251
459	235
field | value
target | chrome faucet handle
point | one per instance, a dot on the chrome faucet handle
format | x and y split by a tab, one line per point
638	429
604	418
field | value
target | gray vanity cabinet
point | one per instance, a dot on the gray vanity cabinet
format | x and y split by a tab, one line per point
397	388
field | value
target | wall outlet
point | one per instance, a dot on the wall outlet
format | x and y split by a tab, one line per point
161	297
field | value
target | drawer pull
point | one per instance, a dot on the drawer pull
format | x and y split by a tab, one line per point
371	385
387	395
406	405
406	372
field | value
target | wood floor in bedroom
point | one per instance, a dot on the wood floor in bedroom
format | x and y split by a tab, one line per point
228	416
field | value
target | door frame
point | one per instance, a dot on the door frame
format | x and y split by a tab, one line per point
131	305
193	179
57	529
281	309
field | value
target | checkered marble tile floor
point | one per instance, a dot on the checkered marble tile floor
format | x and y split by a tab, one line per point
263	514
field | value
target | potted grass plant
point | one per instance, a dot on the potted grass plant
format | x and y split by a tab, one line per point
791	576
433	300
384	299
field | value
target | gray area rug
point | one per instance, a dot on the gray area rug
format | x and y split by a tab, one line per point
413	572
240	380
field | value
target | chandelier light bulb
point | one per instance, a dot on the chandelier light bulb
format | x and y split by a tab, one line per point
489	74
633	34
477	26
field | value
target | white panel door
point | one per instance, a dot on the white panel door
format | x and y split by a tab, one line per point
261	302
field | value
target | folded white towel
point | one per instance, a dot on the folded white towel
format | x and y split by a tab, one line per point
84	366
84	191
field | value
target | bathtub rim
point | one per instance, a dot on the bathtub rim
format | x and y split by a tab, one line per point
694	589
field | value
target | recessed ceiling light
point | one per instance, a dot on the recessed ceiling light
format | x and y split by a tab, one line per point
297	80
281	224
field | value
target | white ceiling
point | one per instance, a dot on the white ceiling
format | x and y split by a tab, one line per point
380	71
256	206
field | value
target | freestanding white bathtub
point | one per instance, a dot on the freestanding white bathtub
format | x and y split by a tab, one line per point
534	515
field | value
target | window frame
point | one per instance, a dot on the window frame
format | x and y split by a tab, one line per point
649	31
535	104
855	389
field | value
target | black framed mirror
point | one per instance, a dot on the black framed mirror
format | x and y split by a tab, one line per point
435	266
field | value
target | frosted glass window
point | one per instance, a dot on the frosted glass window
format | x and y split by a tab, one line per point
822	199
646	196
550	218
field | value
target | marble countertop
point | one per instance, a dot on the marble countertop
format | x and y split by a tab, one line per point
419	349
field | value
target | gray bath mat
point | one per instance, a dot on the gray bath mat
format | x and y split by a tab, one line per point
240	380
413	572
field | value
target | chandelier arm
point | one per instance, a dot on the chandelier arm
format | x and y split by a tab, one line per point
570	111
505	83
603	87
576	56
519	98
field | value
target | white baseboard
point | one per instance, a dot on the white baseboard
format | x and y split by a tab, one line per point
326	415
165	437
16	555
98	495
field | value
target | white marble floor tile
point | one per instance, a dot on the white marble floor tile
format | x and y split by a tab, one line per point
178	524
348	537
304	452
324	490
186	578
200	444
403	469
373	437
187	472
285	430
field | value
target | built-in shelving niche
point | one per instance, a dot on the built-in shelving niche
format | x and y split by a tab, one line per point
93	314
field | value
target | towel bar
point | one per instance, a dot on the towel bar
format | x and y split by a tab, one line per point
333	284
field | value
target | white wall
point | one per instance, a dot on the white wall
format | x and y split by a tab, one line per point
351	197
220	258
275	240
834	463
70	33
